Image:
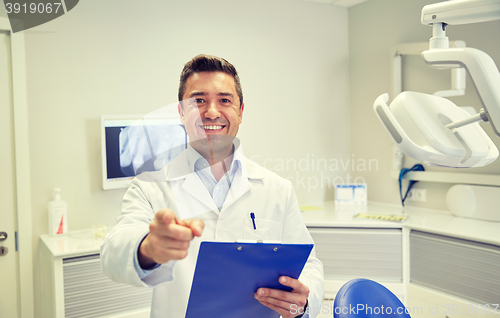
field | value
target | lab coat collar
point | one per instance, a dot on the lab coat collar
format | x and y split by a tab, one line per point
197	162
179	168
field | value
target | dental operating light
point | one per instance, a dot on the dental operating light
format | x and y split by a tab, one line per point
433	129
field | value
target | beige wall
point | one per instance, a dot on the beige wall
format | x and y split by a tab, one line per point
374	28
300	70
122	57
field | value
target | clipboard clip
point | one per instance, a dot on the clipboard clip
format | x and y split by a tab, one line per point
258	241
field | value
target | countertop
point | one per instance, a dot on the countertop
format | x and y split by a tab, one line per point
435	221
82	242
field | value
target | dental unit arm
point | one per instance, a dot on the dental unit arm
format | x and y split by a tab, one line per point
432	129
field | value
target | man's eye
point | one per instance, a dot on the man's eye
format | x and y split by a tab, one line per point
225	101
199	101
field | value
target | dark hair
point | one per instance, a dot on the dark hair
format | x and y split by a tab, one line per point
208	63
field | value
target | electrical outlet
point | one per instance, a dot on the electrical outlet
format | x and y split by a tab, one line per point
417	195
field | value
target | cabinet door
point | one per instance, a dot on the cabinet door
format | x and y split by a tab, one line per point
463	268
90	293
349	253
425	302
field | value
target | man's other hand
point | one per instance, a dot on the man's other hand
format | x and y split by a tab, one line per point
168	239
287	304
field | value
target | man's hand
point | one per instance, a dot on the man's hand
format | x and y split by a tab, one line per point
168	239
287	304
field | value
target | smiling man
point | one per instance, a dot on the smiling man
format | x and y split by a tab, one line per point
156	240
211	109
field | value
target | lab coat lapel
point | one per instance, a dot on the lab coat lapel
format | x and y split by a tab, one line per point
196	189
241	182
191	196
239	187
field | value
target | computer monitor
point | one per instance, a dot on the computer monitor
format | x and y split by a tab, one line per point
132	144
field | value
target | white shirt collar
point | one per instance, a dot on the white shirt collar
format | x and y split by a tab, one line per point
197	162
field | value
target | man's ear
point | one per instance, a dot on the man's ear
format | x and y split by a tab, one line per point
241	111
181	112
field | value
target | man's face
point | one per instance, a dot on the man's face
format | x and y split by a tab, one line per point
211	111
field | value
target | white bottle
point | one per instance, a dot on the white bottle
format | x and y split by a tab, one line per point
58	216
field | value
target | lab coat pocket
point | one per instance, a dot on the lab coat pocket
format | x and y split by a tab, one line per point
264	230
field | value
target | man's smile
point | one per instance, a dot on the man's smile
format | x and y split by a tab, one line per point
211	128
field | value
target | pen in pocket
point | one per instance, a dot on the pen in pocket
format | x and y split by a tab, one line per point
252	215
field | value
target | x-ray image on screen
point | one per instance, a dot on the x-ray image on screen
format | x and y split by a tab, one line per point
149	147
132	145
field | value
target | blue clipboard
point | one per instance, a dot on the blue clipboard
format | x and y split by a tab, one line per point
227	276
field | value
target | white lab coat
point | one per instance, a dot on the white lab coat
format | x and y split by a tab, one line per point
256	189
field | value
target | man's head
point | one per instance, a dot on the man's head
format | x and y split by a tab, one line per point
210	105
208	63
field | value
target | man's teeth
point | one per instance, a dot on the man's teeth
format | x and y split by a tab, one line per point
212	127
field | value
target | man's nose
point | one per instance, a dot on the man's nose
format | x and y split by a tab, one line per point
212	111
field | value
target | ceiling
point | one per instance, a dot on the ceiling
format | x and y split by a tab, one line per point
343	3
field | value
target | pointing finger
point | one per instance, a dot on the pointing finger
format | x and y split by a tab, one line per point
165	217
196	226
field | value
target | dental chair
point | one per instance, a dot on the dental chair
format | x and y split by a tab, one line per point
432	129
364	298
